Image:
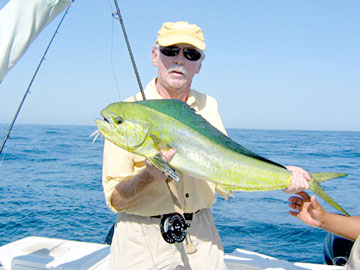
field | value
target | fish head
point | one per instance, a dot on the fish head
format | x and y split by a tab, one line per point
122	128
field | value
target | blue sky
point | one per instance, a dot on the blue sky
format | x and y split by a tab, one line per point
270	64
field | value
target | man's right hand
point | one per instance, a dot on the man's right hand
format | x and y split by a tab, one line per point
154	174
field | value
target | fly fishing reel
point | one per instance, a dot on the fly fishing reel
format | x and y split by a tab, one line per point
173	228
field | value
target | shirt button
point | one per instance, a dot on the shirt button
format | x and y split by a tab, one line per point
187	195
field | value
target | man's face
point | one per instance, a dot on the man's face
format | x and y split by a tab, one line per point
175	73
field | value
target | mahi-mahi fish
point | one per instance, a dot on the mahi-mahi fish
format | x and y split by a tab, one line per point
202	151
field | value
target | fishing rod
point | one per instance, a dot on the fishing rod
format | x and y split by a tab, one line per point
129	49
30	84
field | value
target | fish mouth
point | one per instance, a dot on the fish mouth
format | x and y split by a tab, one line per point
105	123
108	120
105	119
102	124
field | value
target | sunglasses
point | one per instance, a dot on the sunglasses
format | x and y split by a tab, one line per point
189	53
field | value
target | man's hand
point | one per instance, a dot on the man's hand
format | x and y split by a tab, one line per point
130	191
299	180
307	209
312	213
154	174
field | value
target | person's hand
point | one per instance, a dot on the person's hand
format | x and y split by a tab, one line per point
156	175
307	209
299	180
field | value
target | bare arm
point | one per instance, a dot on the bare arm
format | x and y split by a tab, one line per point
312	213
130	191
348	227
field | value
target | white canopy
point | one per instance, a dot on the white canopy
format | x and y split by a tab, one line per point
20	23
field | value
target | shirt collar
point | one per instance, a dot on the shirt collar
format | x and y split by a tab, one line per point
152	93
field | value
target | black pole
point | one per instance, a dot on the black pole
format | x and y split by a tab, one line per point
129	49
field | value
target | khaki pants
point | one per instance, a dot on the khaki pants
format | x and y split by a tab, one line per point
138	244
354	258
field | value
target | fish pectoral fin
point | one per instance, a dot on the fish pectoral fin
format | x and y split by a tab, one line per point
223	191
163	166
159	144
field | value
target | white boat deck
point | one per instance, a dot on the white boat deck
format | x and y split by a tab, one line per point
48	253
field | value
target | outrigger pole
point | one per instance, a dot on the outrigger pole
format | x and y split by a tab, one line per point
129	49
31	82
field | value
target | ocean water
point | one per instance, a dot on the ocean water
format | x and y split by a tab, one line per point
50	185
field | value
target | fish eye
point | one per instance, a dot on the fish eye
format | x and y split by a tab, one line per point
119	120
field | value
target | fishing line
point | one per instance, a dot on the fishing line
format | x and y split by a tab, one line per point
31	82
112	62
117	15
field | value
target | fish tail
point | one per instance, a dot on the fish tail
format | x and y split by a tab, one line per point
321	177
315	187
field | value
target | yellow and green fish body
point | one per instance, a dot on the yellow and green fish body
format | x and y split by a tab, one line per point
202	151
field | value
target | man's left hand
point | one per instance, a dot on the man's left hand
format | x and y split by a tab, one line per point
299	180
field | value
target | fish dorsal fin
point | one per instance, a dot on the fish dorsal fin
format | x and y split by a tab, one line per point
180	111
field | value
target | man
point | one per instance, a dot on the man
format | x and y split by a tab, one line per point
138	192
20	23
